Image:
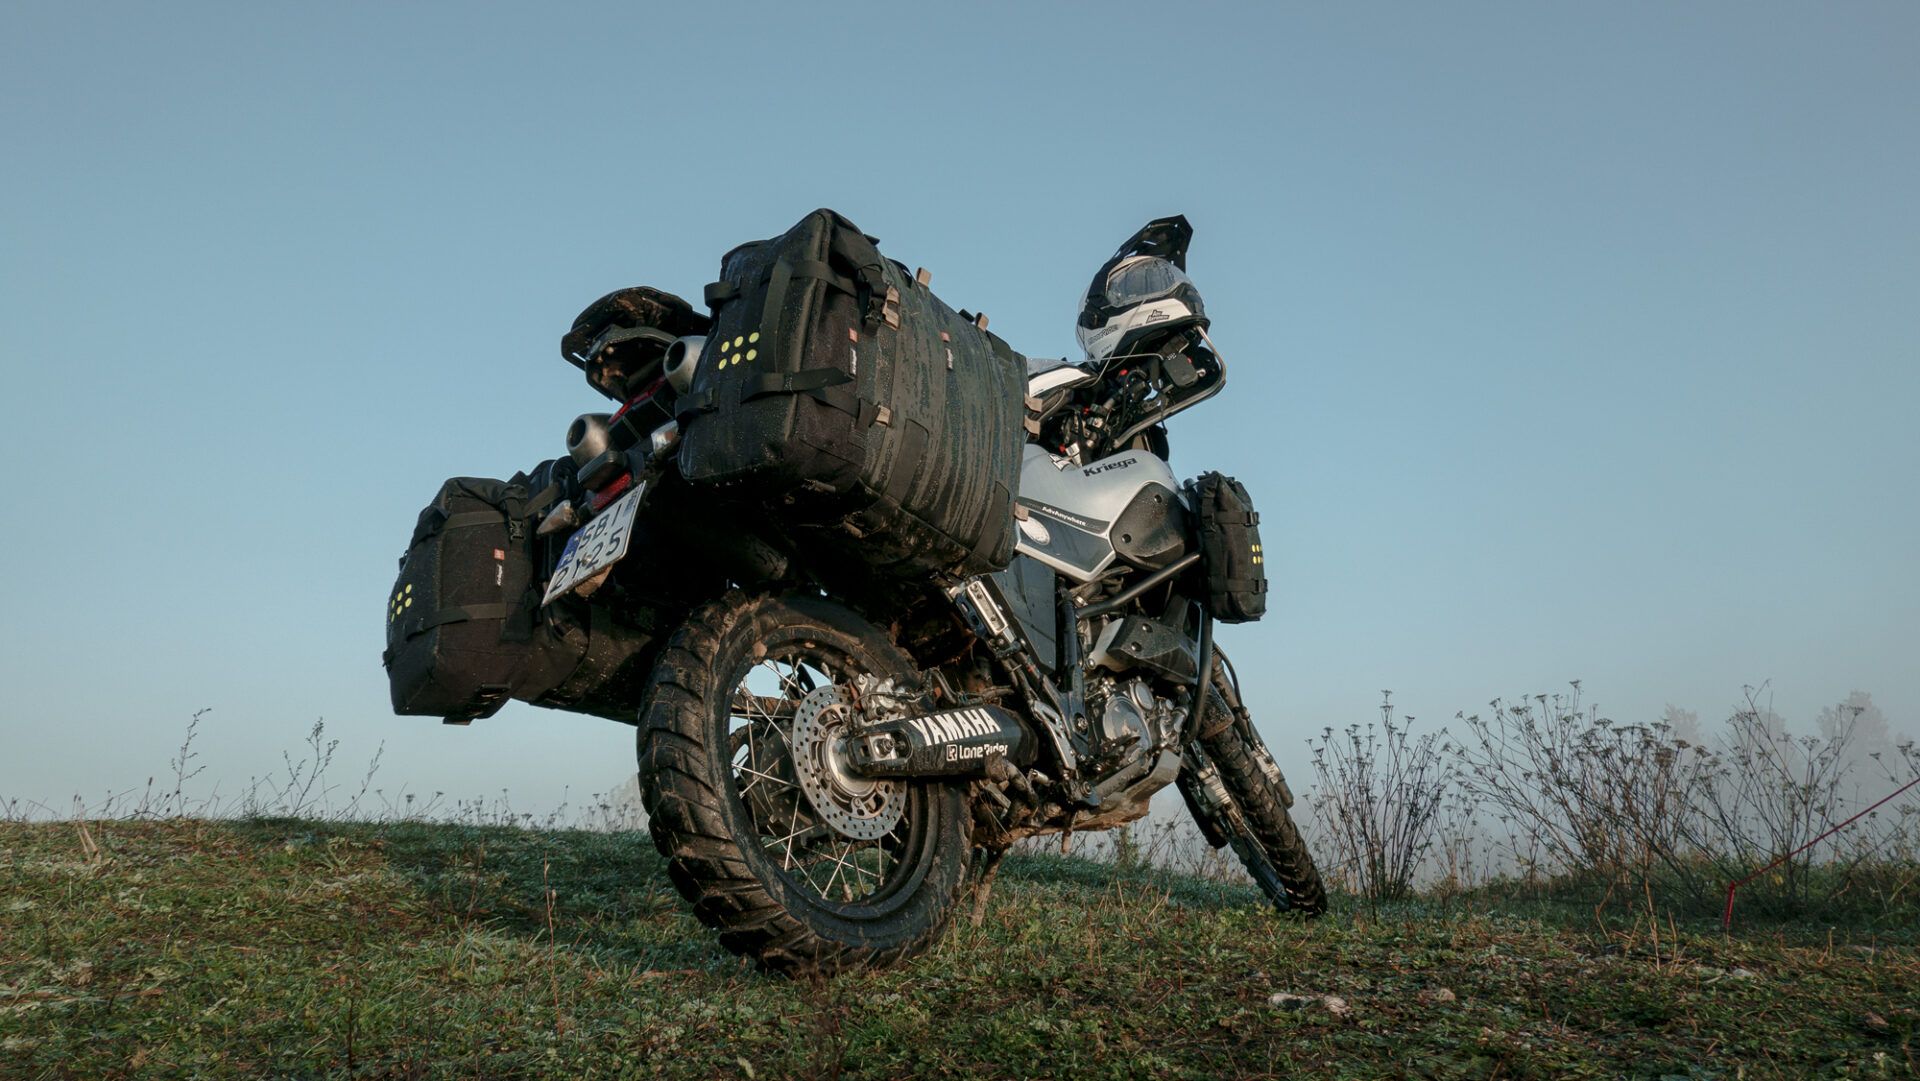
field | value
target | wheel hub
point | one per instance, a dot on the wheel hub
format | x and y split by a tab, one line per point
863	808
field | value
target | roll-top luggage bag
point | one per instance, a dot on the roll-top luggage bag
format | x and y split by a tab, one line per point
460	618
1231	557
465	627
839	391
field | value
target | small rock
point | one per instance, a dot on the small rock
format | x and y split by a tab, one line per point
1289	1001
1743	974
1437	996
1875	1023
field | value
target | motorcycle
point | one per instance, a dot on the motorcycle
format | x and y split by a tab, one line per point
830	771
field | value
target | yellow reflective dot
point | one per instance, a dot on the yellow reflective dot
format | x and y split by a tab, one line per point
754	337
738	342
751	353
734	359
409	587
409	603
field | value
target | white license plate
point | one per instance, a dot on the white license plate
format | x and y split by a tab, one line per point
596	546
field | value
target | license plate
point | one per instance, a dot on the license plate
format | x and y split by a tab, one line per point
596	546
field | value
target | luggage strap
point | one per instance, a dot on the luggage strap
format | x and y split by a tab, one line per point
914	438
724	292
828	386
1237	585
459	614
470	518
1234	517
989	535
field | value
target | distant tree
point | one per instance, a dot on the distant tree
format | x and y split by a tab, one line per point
1867	736
1682	724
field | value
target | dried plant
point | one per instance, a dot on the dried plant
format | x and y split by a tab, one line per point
1644	807
1378	801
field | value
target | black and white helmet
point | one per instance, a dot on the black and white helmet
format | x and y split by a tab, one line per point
1142	294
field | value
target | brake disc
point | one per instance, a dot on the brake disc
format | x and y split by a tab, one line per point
863	808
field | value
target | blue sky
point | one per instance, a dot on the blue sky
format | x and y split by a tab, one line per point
1563	342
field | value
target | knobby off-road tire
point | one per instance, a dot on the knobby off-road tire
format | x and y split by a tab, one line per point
719	794
1264	836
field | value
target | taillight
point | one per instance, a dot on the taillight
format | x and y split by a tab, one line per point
611	492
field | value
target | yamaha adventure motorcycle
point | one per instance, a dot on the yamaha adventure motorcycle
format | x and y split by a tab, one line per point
829	775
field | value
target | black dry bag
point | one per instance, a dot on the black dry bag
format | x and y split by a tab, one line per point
836	390
1231	558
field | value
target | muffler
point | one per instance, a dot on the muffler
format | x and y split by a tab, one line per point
952	743
588	437
590	445
683	356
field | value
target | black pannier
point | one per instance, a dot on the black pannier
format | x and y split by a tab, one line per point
465	629
459	621
1231	558
835	388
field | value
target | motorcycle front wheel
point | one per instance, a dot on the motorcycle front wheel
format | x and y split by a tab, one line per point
1260	826
798	862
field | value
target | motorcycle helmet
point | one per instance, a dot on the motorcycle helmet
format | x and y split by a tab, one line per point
1142	294
621	340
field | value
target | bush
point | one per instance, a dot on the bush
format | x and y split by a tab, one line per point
1378	802
1643	806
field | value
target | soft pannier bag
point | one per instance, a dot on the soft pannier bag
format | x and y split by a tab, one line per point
1231	559
836	390
465	627
460	617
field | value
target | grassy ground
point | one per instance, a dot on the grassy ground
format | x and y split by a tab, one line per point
291	948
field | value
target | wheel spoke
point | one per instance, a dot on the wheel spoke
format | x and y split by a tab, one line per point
814	854
839	865
758	777
748	704
792	683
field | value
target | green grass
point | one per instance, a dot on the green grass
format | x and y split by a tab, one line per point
306	949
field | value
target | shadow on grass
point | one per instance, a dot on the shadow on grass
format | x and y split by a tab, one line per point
609	891
1093	878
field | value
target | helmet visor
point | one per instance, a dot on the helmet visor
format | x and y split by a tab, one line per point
1143	279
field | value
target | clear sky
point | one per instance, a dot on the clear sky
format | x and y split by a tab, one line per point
1564	342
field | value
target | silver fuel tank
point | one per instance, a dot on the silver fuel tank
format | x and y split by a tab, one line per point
1080	519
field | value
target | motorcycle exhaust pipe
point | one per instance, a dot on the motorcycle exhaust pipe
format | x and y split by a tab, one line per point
588	437
590	445
683	356
952	743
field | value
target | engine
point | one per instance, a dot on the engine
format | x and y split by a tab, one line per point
1138	747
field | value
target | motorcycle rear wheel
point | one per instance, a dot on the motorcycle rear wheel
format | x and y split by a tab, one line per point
794	887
